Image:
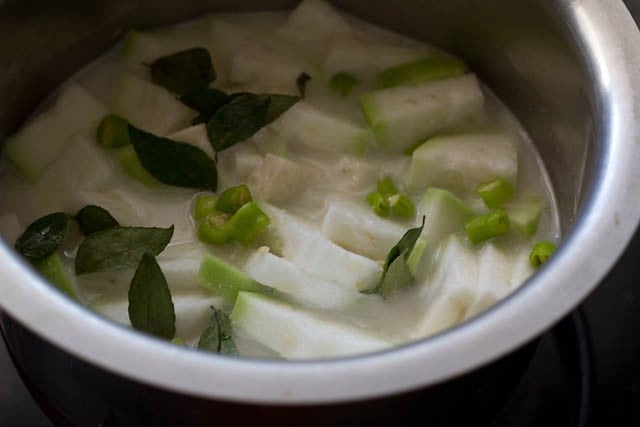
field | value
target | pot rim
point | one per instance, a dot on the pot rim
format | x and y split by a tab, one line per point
610	43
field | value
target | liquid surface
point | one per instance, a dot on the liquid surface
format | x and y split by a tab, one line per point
296	179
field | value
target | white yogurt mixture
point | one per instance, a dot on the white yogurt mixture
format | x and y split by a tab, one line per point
310	171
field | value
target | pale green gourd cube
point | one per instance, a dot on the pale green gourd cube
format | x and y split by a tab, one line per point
461	162
495	271
405	115
307	125
148	106
297	333
286	277
225	280
450	289
525	215
444	214
41	141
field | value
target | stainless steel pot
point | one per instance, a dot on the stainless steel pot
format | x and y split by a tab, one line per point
567	68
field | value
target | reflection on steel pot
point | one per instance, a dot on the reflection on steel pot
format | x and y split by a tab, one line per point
565	71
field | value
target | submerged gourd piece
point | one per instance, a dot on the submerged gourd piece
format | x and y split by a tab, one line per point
295	185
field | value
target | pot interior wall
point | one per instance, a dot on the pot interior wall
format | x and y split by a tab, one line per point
516	47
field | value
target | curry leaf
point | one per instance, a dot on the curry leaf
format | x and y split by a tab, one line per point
278	105
245	115
395	272
205	100
301	83
216	336
150	306
174	163
119	247
237	121
43	236
92	219
183	70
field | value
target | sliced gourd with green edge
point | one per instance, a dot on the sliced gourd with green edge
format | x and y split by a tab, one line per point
405	115
495	270
225	280
284	276
148	106
181	264
312	252
444	214
143	47
82	166
324	259
41	141
297	333
461	162
264	71
522	269
414	261
356	228
450	289
308	125
315	21
52	269
286	231
239	51
227	39
525	214
435	67
349	54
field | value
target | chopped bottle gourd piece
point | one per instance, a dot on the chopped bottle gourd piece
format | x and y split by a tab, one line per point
495	270
448	293
149	107
436	67
225	280
76	112
445	214
296	333
285	277
359	230
461	162
310	126
52	269
525	215
405	115
113	132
